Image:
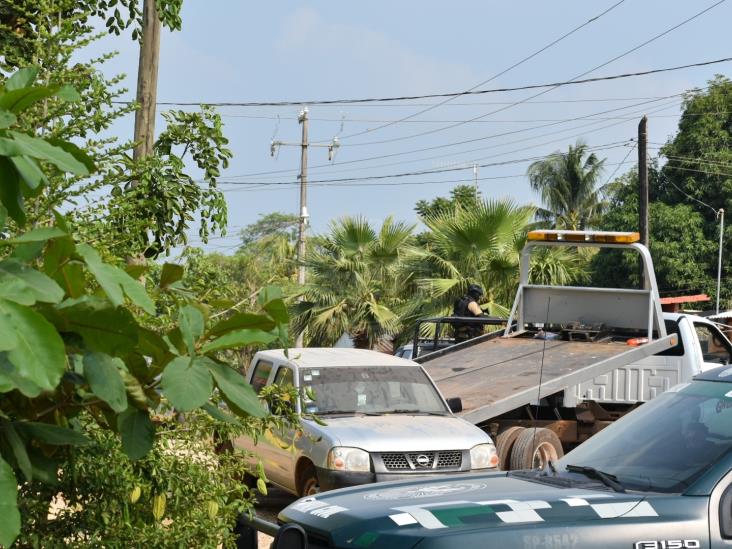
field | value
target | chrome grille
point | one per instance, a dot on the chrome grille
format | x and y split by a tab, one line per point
420	461
395	461
449	460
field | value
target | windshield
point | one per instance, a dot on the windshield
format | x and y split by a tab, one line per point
372	389
667	443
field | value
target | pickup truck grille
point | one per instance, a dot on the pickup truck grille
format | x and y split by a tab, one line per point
419	461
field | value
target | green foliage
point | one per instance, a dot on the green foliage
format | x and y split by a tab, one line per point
682	254
104	499
462	196
355	283
75	345
567	183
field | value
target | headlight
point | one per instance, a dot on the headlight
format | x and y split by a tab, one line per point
342	458
483	456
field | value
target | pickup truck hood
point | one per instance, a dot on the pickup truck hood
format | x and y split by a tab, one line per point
401	432
464	507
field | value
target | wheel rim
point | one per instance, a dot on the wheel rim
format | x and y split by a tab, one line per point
311	487
543	454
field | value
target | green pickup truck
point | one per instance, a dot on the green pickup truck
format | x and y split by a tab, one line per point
659	478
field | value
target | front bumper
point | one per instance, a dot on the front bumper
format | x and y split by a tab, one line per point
330	480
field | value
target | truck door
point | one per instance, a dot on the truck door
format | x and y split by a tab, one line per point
714	349
282	441
260	376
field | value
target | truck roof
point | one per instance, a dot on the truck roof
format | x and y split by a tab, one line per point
333	356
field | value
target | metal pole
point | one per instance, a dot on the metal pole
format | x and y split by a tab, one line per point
643	186
303	119
475	179
720	214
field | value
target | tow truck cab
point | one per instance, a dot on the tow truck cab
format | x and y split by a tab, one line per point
660	477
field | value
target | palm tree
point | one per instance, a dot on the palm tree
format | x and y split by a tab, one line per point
355	282
479	245
567	183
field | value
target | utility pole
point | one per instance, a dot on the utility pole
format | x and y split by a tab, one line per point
304	217
475	180
302	119
147	81
720	215
643	186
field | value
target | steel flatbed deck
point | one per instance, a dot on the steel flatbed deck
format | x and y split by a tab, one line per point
495	374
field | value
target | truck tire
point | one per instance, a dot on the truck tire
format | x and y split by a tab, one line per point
308	482
534	448
504	444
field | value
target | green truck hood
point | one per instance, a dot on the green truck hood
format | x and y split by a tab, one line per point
403	514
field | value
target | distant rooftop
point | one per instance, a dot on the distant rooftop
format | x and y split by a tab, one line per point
684	299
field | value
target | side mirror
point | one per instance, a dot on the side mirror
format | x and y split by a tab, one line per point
725	514
455	404
290	536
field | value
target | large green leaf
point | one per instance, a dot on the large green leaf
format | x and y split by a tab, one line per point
114	281
22	78
17	445
16	276
190	322
104	328
103	374
7	119
269	293
240	321
187	383
10	194
171	273
40	234
239	338
235	388
219	415
43	150
38	354
137	432
52	434
278	311
10	523
30	173
74	151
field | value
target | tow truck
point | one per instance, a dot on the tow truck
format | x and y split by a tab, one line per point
658	478
570	360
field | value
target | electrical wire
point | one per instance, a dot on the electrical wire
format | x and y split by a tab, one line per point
495	76
553	87
437	95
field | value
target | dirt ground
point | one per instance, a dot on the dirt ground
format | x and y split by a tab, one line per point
269	506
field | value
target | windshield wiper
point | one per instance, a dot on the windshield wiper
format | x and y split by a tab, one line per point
346	413
416	412
607	479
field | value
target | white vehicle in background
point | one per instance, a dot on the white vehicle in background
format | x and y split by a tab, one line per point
385	420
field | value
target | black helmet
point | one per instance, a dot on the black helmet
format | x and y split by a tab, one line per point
475	291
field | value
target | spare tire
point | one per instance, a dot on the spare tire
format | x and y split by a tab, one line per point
534	448
504	444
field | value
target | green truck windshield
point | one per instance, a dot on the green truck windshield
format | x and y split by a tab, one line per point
373	389
666	444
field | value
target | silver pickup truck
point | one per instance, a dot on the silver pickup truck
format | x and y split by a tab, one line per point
385	420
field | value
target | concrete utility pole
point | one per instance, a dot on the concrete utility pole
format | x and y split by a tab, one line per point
475	179
147	81
303	119
643	185
304	216
720	216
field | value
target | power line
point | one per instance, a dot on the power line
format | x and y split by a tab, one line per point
497	75
437	95
402	153
553	87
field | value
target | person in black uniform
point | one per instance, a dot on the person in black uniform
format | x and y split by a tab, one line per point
468	306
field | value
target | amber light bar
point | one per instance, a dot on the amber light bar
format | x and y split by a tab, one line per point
599	237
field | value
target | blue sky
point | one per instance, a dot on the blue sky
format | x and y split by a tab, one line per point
233	52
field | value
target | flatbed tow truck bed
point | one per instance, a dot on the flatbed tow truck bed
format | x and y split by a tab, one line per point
496	374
